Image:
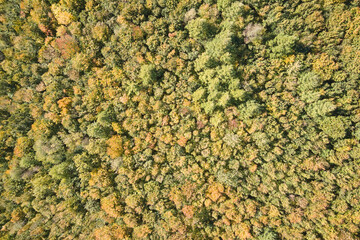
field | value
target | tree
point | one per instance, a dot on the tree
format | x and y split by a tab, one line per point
148	74
250	109
252	32
334	127
282	45
61	171
62	14
321	108
200	29
50	151
96	130
100	31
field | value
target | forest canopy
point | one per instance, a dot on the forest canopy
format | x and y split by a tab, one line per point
180	119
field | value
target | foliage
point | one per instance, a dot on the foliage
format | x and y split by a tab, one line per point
178	119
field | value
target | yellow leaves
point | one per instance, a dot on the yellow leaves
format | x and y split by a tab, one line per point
176	197
2	18
116	127
278	151
354	25
251	154
143	107
253	168
130	220
232	214
100	178
250	207
173	222
188	211
40	127
257	125
5	102
313	213
149	4
356	217
216	148
273	212
16	215
188	190
325	65
22	144
215	191
296	216
330	2
133	201
351	58
175	118
166	138
314	164
115	146
290	59
165	120
242	231
137	33
180	63
110	233
111	205
149	138
38	231
80	62
94	193
62	15
140	58
158	59
64	104
214	134
315	20
141	232
124	99
182	141
25	95
77	90
100	31
149	57
55	66
138	142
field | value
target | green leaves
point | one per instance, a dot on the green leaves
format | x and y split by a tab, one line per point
106	117
250	109
61	171
334	127
148	74
268	234
199	94
282	45
321	108
223	4
50	151
200	29
309	82
96	130
100	31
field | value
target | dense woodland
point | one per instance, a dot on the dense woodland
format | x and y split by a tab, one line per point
180	119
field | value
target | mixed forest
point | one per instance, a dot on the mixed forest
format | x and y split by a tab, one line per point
180	119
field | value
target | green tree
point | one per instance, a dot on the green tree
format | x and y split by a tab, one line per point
96	130
334	127
149	74
200	29
282	45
